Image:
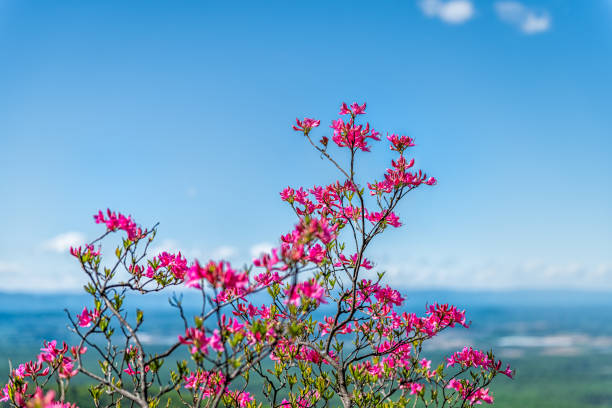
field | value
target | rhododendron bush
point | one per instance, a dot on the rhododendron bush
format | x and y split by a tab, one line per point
311	320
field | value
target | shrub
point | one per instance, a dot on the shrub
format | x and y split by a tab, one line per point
365	351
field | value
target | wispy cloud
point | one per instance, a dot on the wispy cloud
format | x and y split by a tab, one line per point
61	243
260	248
522	17
450	11
531	274
9	267
173	246
224	252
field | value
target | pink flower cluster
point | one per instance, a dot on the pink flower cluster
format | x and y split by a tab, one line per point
353	261
467	391
242	398
115	221
254	330
345	134
398	177
175	264
37	400
469	357
218	274
299	245
390	218
400	143
353	136
309	289
414	387
211	383
198	341
86	318
302	401
130	371
353	110
306	125
89	252
58	359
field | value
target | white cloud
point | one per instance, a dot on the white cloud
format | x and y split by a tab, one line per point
522	17
533	274
167	245
9	267
224	252
262	247
38	283
62	242
172	246
450	11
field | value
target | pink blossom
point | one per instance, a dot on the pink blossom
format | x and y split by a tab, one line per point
355	109
353	136
306	125
316	254
415	388
117	221
400	143
309	289
352	262
87	317
287	194
5	393
219	275
173	263
469	357
199	342
425	363
388	295
46	401
130	371
241	397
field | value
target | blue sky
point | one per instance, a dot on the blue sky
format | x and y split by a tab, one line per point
181	112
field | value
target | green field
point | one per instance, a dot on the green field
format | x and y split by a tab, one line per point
541	382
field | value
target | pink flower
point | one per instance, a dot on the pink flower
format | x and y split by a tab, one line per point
309	289
242	398
219	275
469	357
352	262
390	296
400	143
393	220
199	342
130	371
117	221
316	254
66	368
353	136
5	394
306	125
425	363
415	388
86	317
45	401
287	194
355	109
